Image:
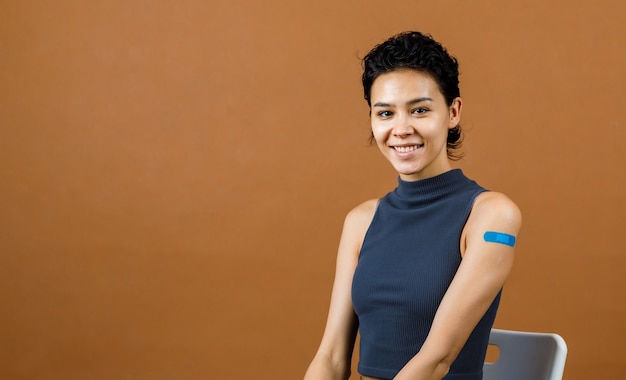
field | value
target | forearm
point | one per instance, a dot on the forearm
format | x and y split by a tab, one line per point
323	367
421	368
435	357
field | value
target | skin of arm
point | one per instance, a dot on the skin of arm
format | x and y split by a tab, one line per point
334	356
481	274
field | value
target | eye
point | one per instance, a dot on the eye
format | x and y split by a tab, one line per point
419	110
384	114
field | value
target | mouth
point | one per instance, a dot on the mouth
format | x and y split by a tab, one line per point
407	148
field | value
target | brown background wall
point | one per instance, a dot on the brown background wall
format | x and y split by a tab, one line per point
174	175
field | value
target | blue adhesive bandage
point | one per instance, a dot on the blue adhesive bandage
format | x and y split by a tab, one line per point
499	237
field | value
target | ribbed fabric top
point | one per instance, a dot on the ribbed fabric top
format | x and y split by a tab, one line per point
408	259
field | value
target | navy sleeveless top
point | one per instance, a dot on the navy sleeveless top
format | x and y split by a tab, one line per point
408	259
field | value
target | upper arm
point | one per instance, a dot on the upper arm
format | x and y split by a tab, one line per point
341	325
481	274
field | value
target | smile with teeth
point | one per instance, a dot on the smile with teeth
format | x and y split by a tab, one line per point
407	149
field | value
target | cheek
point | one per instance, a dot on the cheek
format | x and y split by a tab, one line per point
378	131
377	137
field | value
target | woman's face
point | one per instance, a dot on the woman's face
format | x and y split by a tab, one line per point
410	121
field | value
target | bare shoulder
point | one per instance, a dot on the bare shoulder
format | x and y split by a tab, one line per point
363	212
358	220
492	211
496	209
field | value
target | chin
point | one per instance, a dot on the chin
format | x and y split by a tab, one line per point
408	171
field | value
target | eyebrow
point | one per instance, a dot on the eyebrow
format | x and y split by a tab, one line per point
409	103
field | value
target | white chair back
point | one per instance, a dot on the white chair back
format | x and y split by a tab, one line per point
526	356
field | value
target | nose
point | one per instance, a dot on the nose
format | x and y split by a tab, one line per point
403	127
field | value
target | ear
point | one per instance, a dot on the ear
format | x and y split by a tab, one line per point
455	112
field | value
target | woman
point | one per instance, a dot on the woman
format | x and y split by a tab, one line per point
419	272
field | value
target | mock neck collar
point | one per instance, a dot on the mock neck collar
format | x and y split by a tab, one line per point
429	189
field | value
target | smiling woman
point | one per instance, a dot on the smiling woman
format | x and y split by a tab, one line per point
415	276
